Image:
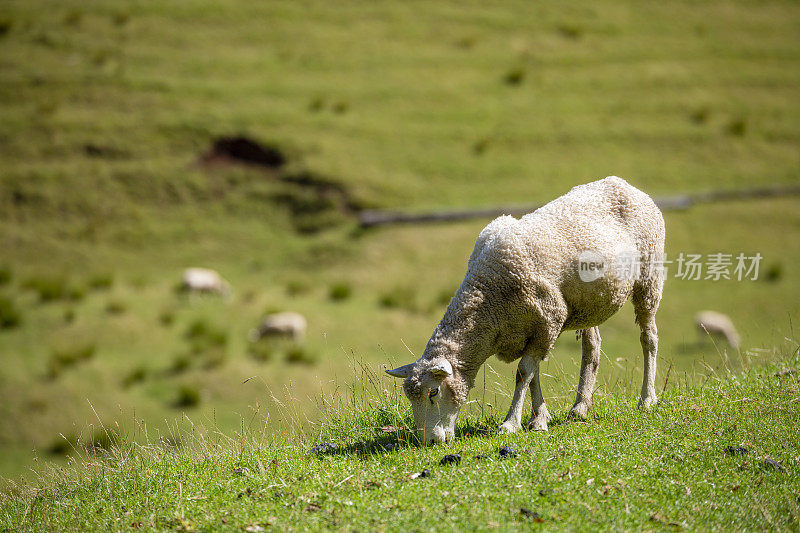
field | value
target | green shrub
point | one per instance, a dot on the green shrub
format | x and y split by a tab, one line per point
310	211
570	31
99	442
261	350
316	104
340	291
10	316
466	42
774	272
75	354
116	307
5	274
202	336
52	288
66	357
73	18
166	317
297	287
206	344
515	76
700	115
101	282
401	297
180	363
197	329
120	18
299	354
63	444
188	396
480	146
340	107
137	375
214	358
5	26
737	127
103	439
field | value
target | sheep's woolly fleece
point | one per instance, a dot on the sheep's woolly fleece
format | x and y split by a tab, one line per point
522	287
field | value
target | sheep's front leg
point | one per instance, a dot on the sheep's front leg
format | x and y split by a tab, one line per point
590	360
525	373
540	415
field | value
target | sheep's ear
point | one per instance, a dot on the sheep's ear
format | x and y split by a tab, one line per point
401	371
441	369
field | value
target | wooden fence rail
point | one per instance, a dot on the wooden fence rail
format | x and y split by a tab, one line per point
374	218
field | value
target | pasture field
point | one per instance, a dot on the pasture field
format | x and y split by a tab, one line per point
731	464
109	110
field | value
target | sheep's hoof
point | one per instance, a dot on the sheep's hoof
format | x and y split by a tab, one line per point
646	403
509	427
538	424
580	411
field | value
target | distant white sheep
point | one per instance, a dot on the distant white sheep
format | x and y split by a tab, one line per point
717	325
528	280
287	324
205	280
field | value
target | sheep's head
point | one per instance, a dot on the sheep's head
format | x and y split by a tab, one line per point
427	385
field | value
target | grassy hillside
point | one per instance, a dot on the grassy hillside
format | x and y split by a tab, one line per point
105	195
718	455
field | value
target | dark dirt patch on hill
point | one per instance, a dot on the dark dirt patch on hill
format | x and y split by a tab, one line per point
240	149
313	201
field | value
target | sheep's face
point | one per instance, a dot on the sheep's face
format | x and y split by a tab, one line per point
432	399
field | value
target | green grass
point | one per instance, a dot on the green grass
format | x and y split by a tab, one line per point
623	469
108	108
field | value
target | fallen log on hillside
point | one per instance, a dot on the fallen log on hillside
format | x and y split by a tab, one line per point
373	218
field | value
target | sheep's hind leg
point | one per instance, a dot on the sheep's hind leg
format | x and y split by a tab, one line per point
525	373
649	340
645	306
590	361
540	415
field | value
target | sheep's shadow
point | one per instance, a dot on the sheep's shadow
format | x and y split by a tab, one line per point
363	449
401	438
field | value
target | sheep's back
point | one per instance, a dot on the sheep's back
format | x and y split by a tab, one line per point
608	218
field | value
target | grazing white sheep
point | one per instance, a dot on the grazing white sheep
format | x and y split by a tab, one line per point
717	325
566	266
205	280
288	324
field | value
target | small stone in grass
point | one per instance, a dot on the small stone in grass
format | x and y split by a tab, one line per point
506	451
772	464
736	450
481	457
325	447
424	473
242	471
451	458
533	515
